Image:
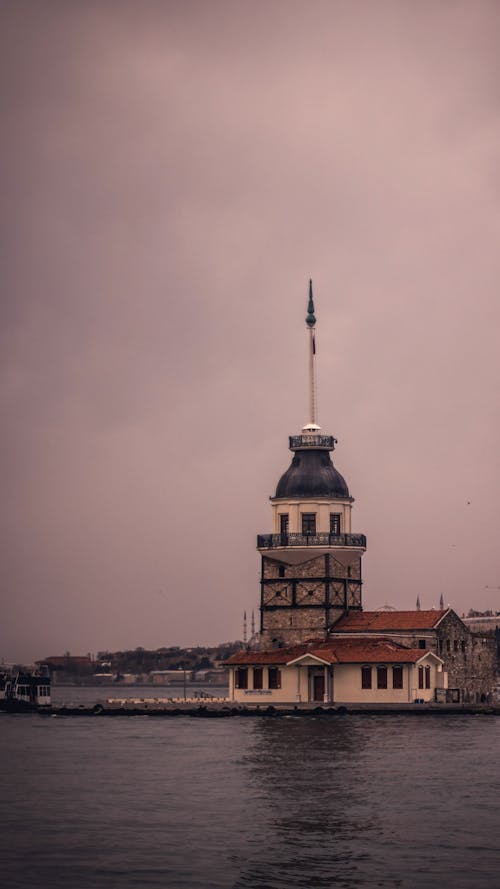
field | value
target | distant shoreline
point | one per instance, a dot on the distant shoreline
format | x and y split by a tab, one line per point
178	683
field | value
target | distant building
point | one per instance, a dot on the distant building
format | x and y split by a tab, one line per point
166	677
468	658
315	642
68	662
483	623
67	668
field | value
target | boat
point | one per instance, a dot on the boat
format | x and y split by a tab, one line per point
24	689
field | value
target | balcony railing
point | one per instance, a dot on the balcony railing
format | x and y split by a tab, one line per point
275	541
323	442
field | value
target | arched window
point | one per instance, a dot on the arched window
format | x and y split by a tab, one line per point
258	674
381	677
366	677
427	677
242	677
397	676
274	677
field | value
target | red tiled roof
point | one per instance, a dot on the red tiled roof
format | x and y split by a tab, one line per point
334	651
352	651
273	656
387	621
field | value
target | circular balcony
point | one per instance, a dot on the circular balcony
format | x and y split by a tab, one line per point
316	442
306	541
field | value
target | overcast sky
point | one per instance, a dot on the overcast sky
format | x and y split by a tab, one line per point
172	175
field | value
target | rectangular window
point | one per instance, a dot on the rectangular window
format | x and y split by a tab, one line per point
366	677
421	643
397	677
309	523
281	570
447	645
420	677
274	677
283	523
258	673
242	677
381	677
335	523
427	677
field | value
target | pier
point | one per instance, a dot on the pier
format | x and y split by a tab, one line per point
220	708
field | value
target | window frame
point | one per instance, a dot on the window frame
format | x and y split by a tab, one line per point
258	678
366	677
284	522
381	677
398	677
335	523
273	678
308	518
241	677
420	676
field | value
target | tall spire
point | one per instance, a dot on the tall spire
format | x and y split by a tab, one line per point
311	324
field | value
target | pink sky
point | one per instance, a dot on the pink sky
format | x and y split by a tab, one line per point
172	175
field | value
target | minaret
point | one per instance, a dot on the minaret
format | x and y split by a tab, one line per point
311	563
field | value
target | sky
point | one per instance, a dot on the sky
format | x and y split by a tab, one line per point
172	175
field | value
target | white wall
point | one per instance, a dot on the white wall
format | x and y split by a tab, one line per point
321	507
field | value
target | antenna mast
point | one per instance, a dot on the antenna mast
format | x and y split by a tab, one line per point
311	323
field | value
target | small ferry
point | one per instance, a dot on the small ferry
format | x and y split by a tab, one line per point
24	689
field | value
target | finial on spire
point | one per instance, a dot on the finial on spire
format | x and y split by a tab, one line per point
311	319
311	322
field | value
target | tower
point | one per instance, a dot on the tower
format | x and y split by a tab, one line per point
311	563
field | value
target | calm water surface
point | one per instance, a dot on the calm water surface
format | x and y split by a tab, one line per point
183	803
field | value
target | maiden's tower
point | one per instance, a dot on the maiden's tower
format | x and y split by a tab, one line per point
311	562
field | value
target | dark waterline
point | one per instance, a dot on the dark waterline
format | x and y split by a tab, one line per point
274	803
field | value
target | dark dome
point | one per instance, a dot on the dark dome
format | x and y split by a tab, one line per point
312	474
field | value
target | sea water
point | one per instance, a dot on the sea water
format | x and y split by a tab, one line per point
250	803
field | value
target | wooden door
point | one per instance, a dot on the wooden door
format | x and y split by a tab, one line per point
319	687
